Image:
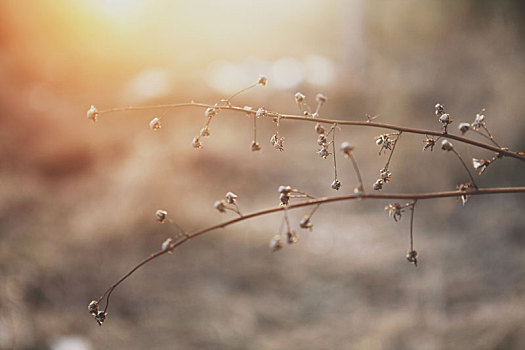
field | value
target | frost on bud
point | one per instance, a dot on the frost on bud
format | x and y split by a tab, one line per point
412	257
220	206
299	97
155	124
319	129
336	185
255	146
161	215
196	143
463	127
93	307
378	185
263	80
347	149
205	131
210	112
320	98
231	198
92	113
306	223
166	245
446	145
275	243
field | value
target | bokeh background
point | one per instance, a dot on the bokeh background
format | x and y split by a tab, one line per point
77	199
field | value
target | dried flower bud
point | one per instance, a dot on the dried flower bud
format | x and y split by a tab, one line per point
231	198
439	109
478	122
429	143
220	206
93	307
284	198
319	129
261	112
378	185
320	98
101	317
446	145
277	142
161	215
166	244
196	143
305	223
385	175
412	257
210	112
263	80
275	243
358	190
323	152
321	140
92	113
336	185
463	127
395	210
299	97
315	115
291	237
480	164
154	124
445	119
205	131
347	149
255	146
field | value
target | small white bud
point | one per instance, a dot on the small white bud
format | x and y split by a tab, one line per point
161	215
196	143
446	145
347	148
320	98
299	97
464	127
231	198
155	124
220	206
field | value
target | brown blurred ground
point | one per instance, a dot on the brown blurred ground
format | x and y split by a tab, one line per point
77	200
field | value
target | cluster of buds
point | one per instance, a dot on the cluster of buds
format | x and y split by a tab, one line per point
385	142
412	257
395	210
385	175
100	315
229	203
480	165
277	142
92	113
205	131
261	112
155	124
444	118
323	142
284	195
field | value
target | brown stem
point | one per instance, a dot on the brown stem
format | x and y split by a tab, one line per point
392	152
356	168
466	168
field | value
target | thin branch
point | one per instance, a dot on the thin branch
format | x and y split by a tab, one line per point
392	151
317	203
466	167
358	173
517	155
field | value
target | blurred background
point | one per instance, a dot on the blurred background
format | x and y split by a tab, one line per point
77	200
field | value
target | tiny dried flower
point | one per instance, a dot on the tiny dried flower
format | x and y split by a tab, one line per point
220	206
320	98
277	142
299	97
285	199
323	152
439	109
336	185
166	244
261	112
385	142
463	188
480	164
93	307
446	145
231	198
285	189
196	143
291	237
395	210
478	122
319	129
101	317
275	243
306	223
205	131
463	127
385	175
210	112
412	257
321	140
255	146
429	143
161	215
155	124
92	113
347	149
263	80
378	185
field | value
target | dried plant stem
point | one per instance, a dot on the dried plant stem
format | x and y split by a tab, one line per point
393	149
412	208
503	151
254	128
317	203
490	137
333	151
228	100
358	173
466	168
